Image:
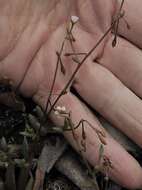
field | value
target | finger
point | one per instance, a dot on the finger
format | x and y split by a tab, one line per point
125	61
112	150
23	54
104	92
133	15
120	137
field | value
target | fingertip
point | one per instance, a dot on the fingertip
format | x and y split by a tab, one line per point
126	170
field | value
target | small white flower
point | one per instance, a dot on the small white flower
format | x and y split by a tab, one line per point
59	111
58	108
74	19
56	112
63	108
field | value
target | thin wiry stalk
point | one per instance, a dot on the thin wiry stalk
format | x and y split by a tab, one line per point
70	54
84	159
121	6
117	25
100	133
59	61
82	62
55	75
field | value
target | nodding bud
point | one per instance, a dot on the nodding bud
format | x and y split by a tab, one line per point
74	19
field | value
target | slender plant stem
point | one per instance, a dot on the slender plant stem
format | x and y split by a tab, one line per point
70	54
116	26
81	63
83	157
55	75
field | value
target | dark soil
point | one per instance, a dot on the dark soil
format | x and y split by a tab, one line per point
13	122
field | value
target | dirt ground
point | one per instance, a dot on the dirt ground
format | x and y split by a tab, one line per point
20	151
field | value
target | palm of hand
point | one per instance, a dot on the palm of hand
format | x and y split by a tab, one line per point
103	84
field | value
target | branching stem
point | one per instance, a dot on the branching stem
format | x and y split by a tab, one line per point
82	62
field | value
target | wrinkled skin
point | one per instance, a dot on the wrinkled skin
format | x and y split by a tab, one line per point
30	34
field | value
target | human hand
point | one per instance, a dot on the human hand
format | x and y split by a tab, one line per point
31	34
